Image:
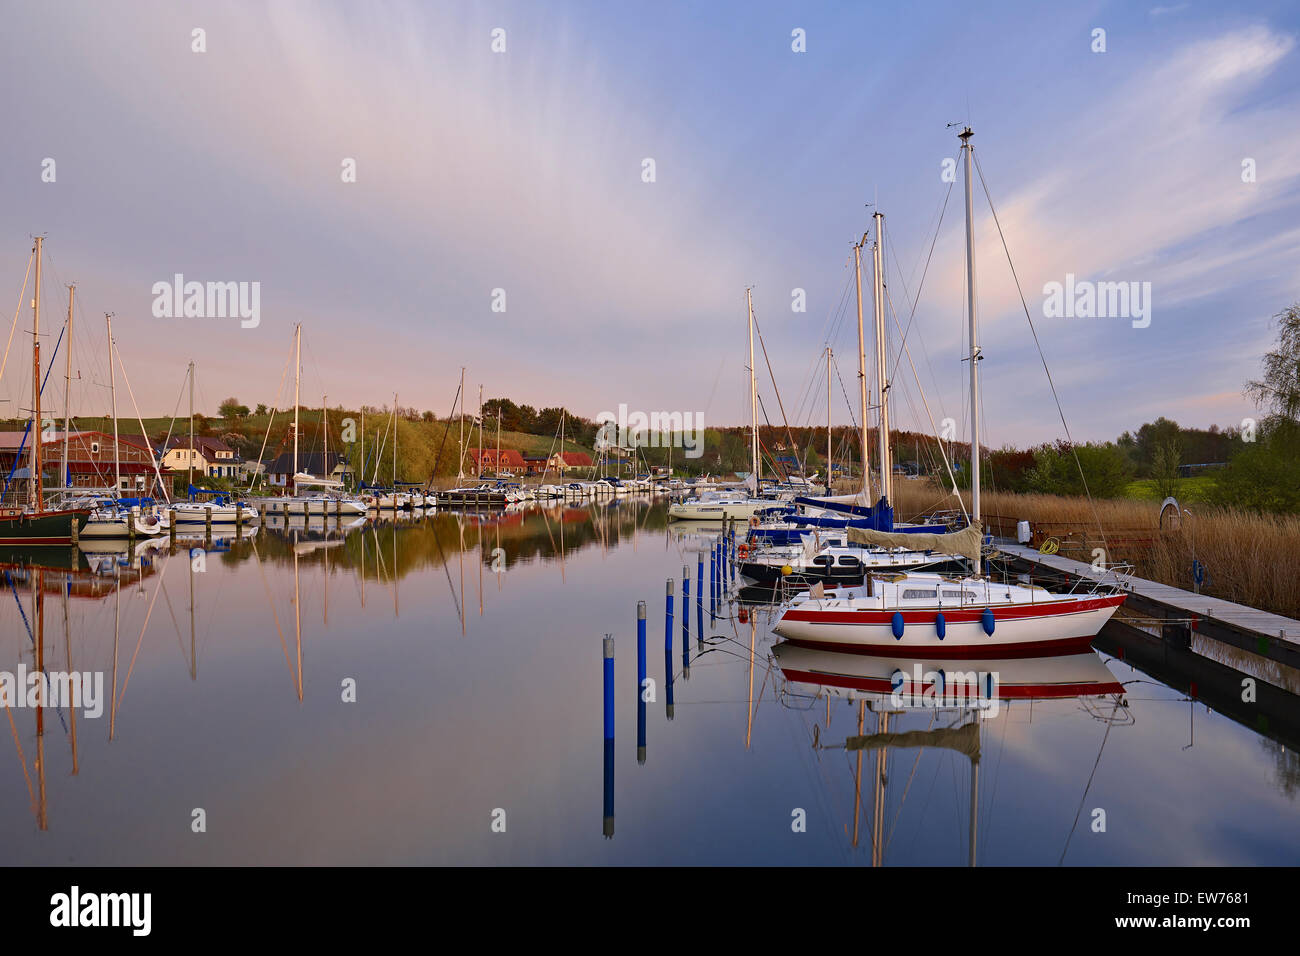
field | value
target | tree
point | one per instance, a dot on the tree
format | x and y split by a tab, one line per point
1278	392
261	408
1164	468
231	410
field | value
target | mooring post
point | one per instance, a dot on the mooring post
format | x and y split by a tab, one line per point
608	821
686	607
207	521
640	682
713	580
668	616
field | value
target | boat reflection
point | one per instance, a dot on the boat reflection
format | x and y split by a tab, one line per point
965	694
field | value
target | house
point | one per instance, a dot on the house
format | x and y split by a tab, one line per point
90	459
207	457
489	459
321	464
562	461
535	464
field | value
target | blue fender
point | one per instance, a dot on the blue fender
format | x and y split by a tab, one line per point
940	625
987	620
897	625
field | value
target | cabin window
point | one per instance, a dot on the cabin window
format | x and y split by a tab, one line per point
916	594
822	560
849	560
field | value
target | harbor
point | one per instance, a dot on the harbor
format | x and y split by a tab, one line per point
233	659
566	440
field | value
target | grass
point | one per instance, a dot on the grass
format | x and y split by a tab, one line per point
1251	559
1196	489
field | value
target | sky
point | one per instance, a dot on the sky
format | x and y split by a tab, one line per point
524	170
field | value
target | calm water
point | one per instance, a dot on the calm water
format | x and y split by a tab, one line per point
478	686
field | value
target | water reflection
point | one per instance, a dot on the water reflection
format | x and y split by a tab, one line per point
471	639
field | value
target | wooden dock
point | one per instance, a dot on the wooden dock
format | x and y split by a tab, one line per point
1177	613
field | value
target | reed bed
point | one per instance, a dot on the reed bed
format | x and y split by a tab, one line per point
1249	558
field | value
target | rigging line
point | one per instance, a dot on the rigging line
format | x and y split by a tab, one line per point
175	410
917	299
843	388
1083	798
144	435
261	570
781	405
22	296
1002	749
270	419
829	331
1043	358
438	459
908	352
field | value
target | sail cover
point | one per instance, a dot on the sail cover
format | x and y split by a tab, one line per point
965	542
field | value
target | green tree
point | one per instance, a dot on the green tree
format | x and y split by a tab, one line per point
1164	468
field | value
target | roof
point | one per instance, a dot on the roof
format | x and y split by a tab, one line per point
203	443
12	441
311	463
576	459
489	455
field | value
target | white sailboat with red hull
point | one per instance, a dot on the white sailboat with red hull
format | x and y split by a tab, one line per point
932	615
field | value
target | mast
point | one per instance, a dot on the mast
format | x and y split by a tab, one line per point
882	368
67	388
394	451
498	441
189	457
297	381
460	468
966	147
38	499
325	422
862	369
480	431
753	393
112	390
828	419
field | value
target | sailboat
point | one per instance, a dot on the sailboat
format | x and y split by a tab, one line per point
35	524
329	500
113	518
926	614
205	506
723	505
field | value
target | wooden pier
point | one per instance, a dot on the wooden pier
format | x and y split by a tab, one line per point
1179	614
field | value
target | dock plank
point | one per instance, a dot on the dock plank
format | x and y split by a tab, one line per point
1240	616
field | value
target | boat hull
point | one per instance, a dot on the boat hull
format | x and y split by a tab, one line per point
1054	627
46	527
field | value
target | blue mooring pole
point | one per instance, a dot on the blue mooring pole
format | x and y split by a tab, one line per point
608	822
699	583
640	681
686	605
713	582
733	552
686	621
668	617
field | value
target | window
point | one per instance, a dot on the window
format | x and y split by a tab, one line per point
916	594
850	561
94	448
